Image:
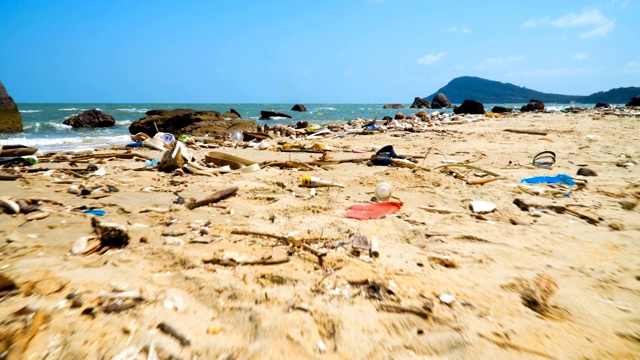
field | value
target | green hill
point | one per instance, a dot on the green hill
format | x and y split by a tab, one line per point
495	92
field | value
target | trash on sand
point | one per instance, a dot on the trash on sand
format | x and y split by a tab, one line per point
168	329
234	162
374	250
312	181
557	179
383	191
447	299
372	211
384	155
438	210
482	207
545	159
97	212
110	234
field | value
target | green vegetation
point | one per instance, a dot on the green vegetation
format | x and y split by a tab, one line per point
495	92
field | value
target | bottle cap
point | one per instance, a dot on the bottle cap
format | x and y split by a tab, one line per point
383	191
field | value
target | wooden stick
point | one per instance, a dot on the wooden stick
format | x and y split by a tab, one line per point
438	210
481	181
9	176
167	329
213	198
530	132
411	309
233	262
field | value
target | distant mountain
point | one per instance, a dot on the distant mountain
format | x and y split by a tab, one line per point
495	92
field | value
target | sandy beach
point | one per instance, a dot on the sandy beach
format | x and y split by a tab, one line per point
280	277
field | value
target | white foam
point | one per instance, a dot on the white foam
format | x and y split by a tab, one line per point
30	111
123	122
133	110
71	109
68	142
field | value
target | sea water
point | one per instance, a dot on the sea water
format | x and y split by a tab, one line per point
43	126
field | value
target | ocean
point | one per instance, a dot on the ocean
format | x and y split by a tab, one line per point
43	126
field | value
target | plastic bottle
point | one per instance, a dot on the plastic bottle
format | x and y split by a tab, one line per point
383	191
236	138
312	181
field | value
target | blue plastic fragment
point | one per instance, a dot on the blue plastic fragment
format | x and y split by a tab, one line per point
558	179
134	144
152	162
97	212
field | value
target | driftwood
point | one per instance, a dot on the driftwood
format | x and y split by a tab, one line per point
232	262
411	309
481	181
213	198
168	329
5	176
530	132
289	240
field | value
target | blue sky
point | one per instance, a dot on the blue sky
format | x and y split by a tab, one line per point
346	51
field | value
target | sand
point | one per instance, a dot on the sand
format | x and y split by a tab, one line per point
520	284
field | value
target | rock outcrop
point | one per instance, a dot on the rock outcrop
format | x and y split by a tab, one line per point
10	119
533	105
268	115
602	105
469	107
501	109
634	101
420	103
393	106
189	121
440	101
90	119
299	107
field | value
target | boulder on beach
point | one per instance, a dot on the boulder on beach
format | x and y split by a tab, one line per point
469	107
299	107
501	109
440	101
400	116
10	119
189	121
269	115
393	106
90	119
634	101
533	105
420	103
603	105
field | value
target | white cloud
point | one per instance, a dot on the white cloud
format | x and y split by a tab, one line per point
602	26
430	58
455	29
599	31
579	57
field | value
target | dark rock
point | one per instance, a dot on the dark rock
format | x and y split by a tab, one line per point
399	116
90	119
393	106
189	121
420	103
268	114
440	101
469	107
10	119
302	124
603	105
387	118
634	101
233	111
299	107
533	105
583	171
501	109
231	115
